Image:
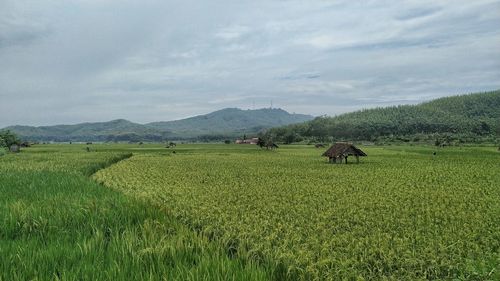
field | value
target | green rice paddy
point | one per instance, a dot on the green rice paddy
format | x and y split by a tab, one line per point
229	212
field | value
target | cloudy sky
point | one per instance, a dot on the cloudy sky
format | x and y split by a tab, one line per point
96	60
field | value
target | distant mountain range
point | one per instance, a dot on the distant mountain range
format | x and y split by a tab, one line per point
225	123
465	118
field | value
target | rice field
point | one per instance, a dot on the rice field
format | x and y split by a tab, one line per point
402	214
230	212
58	224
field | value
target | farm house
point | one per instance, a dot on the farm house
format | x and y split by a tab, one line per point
247	141
341	150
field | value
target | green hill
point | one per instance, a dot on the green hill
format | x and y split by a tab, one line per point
458	118
230	121
115	130
217	125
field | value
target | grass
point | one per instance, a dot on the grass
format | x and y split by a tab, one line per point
57	224
235	212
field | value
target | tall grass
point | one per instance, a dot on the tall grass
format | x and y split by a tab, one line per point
57	224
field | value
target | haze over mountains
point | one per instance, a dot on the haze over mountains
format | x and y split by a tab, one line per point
229	122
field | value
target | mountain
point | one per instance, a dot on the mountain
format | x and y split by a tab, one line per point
115	130
229	122
458	118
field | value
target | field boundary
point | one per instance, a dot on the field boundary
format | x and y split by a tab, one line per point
100	166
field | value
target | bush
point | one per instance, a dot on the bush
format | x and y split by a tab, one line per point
2	146
8	138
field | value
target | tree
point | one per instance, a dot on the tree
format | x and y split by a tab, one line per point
7	138
261	142
290	137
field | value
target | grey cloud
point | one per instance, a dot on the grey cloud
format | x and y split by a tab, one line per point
73	61
20	29
20	36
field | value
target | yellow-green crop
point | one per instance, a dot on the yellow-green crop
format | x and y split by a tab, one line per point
402	214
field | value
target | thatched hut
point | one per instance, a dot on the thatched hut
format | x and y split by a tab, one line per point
25	144
271	145
341	150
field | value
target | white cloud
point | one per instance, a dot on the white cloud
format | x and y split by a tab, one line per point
232	32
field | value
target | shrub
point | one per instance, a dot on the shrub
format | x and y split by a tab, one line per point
7	138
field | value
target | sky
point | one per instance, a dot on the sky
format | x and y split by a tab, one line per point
65	62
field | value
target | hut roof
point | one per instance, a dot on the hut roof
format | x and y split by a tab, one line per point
342	149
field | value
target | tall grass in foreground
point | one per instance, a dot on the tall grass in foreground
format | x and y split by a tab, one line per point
56	224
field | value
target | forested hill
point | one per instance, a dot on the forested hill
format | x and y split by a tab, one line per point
457	118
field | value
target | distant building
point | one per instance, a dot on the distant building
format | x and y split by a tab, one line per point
247	141
341	150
